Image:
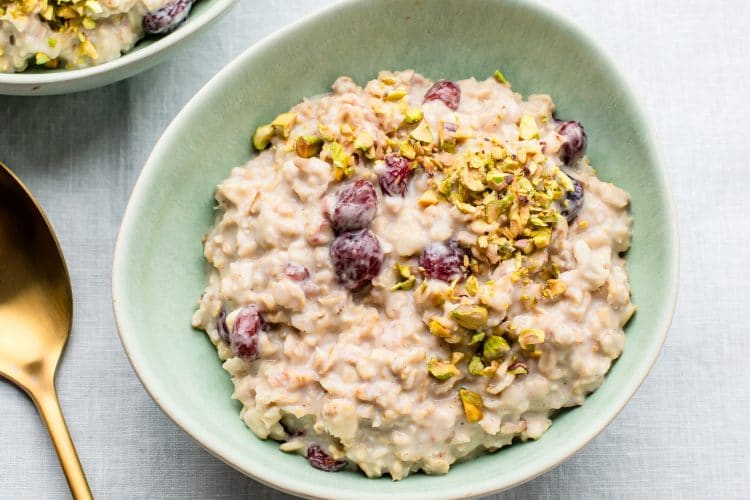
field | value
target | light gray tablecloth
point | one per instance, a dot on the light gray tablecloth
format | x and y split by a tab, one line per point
685	434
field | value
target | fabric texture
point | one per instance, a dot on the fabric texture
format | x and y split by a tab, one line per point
685	434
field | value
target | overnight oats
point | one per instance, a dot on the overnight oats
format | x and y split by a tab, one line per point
411	273
79	33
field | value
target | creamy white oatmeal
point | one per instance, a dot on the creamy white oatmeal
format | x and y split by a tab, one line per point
412	274
79	33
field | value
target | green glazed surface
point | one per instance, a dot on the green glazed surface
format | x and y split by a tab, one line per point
159	269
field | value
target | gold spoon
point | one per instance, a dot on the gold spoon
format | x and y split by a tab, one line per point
36	314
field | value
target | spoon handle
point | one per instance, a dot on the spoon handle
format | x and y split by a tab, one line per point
49	407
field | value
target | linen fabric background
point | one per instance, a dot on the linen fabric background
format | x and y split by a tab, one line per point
686	433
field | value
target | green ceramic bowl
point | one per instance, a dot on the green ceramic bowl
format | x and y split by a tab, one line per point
159	267
145	55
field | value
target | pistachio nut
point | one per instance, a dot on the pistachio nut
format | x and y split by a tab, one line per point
308	146
494	347
428	199
262	137
396	95
554	288
472	403
477	337
283	124
527	128
472	285
441	371
518	368
413	115
469	316
529	338
439	329
422	133
364	141
476	366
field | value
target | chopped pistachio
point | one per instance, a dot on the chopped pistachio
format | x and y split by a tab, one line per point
526	246
472	285
500	77
464	133
48	13
542	237
555	270
497	153
326	133
456	357
507	202
498	180
262	137
477	337
554	288
476	366
413	115
491	369
483	242
441	371
283	124
446	185
477	161
439	329
463	207
529	338
567	184
52	42
528	128
406	278
455	338
396	95
509	164
422	133
428	198
67	12
518	368
364	141
472	403
448	145
346	129
407	284
492	211
470	316
340	160
403	270
41	58
495	347
391	144
472	179
308	146
88	23
407	150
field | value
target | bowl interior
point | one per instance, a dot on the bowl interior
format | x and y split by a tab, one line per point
159	269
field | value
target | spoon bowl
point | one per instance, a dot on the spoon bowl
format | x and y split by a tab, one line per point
36	313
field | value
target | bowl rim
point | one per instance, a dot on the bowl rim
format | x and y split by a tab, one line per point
310	490
212	12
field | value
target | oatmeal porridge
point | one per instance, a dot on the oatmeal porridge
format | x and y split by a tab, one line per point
410	274
79	33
